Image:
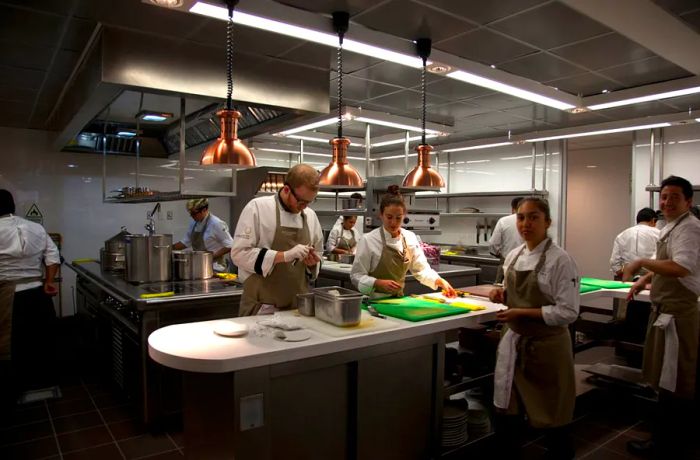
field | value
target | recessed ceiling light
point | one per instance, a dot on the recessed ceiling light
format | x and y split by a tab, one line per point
650	97
150	115
698	120
579	110
591	166
391	124
438	68
168	3
493	66
72	165
605	91
508	89
602	131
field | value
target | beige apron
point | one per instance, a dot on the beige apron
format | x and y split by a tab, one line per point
544	384
7	295
197	240
344	243
392	264
670	297
282	285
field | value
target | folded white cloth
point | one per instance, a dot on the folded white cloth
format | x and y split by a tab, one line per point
669	369
505	369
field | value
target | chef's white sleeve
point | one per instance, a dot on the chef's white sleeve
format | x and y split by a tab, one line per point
333	237
222	235
564	284
616	259
496	241
359	274
245	251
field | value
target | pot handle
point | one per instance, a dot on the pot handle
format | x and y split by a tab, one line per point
160	247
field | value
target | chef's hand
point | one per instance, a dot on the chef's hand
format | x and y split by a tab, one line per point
629	270
447	289
508	315
300	251
637	287
388	286
311	259
496	295
50	289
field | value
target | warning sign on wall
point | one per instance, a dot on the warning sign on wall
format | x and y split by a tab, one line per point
35	215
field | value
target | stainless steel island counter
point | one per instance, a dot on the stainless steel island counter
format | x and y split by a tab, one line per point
336	274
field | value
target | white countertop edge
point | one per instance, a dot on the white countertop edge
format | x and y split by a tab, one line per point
194	347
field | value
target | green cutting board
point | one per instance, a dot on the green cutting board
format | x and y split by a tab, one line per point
604	284
412	309
588	288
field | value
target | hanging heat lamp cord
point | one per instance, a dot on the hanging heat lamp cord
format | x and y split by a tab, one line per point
229	53
422	90
340	85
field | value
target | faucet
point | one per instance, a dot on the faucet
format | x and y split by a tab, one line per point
151	225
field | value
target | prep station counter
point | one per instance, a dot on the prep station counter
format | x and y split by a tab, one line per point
115	318
337	274
376	392
487	263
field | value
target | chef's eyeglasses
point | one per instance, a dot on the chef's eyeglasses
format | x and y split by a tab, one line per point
296	197
194	212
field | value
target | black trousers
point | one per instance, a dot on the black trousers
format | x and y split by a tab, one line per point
33	339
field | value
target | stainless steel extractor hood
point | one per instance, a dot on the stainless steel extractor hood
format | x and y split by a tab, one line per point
270	92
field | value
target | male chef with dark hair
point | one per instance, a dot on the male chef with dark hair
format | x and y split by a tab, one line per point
278	244
638	242
29	261
505	237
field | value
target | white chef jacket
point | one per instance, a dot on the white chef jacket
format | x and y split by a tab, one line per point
337	232
558	279
684	249
505	236
638	242
369	251
256	230
24	249
359	224
216	235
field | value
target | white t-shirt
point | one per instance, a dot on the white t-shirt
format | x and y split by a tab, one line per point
25	248
638	242
558	279
255	232
505	236
369	252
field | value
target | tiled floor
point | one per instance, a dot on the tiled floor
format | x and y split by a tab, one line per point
91	421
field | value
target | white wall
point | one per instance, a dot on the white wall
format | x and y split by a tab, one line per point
70	198
598	205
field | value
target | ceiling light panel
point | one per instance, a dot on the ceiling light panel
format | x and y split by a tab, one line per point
603	131
478	147
650	97
391	124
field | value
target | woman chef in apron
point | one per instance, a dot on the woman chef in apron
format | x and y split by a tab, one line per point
534	374
385	254
343	238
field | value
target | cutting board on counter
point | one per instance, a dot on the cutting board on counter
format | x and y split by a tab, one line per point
587	288
482	290
368	323
604	284
412	309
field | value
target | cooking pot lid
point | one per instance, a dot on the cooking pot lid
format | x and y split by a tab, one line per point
121	236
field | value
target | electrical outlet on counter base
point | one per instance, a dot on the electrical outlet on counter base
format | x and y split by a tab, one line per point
169	215
252	413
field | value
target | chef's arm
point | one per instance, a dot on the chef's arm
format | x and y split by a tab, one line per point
180	246
221	252
665	267
49	285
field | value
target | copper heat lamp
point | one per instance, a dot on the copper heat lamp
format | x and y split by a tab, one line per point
228	149
423	176
339	173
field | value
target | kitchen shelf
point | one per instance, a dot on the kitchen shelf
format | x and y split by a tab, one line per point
471	443
485	194
165	196
467	383
474	214
657	188
340	212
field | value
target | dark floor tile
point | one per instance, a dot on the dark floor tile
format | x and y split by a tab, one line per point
172	455
583	447
127	429
77	422
177	437
76	406
532	452
119	413
594	433
38	448
22	416
83	439
105	452
26	432
106	400
619	444
145	445
74	392
606	454
640	430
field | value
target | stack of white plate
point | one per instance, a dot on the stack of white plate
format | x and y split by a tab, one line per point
454	423
478	423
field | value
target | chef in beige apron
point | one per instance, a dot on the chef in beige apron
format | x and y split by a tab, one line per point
534	374
671	346
206	233
338	240
277	245
385	255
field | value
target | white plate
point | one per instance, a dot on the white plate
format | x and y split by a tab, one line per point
293	336
229	328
